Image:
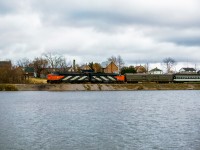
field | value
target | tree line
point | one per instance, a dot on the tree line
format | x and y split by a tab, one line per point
16	74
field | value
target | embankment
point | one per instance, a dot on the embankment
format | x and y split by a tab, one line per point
98	87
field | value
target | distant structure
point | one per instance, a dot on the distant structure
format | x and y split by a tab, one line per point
29	72
140	69
156	71
73	68
85	67
74	65
188	70
109	67
5	64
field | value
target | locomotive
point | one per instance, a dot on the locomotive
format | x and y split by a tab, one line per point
91	77
84	77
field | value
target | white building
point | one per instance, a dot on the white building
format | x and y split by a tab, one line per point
156	71
188	70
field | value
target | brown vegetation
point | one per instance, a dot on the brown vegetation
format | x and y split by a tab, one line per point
11	75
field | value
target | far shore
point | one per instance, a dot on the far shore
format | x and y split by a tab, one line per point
99	87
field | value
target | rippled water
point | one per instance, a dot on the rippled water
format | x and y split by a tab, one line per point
139	120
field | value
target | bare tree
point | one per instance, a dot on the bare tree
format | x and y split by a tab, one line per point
56	61
146	66
169	63
39	65
113	59
120	62
63	64
24	62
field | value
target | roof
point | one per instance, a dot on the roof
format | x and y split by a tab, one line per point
155	69
106	63
189	69
29	69
140	69
85	67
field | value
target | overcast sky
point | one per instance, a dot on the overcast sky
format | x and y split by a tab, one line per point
93	30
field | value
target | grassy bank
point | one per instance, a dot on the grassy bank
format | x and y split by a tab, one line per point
98	87
8	87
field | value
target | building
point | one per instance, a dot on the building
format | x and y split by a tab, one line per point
140	69
5	64
28	72
85	67
156	71
109	67
188	70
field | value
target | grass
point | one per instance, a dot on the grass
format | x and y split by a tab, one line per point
37	81
7	87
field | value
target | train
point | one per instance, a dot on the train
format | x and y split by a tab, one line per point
162	78
84	77
91	77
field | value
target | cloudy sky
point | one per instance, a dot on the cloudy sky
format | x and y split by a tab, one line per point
93	30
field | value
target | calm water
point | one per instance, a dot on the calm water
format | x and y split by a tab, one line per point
138	120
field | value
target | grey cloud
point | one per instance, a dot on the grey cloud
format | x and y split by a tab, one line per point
10	6
93	31
5	7
117	14
195	41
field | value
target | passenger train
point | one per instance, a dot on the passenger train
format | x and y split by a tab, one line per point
91	77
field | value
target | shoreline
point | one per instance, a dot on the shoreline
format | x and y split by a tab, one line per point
99	87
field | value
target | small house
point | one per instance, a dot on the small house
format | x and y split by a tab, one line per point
28	72
188	70
156	71
109	67
140	69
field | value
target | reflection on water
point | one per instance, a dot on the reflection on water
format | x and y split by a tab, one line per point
100	120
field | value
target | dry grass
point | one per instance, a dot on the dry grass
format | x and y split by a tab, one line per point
37	81
7	87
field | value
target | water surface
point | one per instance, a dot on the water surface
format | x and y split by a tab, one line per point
138	120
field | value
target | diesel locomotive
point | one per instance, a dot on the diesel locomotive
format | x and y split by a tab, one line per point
84	77
91	77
